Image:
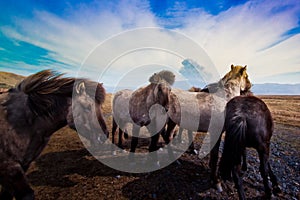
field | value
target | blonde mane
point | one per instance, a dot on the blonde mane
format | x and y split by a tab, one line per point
235	73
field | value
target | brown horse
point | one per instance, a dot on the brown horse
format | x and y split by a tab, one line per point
143	108
248	123
30	113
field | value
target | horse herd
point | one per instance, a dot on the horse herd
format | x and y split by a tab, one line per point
46	101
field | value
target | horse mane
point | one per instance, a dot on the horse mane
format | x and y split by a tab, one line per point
235	72
229	78
42	90
194	89
45	91
163	75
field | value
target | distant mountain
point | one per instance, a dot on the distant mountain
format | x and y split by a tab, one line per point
276	89
8	80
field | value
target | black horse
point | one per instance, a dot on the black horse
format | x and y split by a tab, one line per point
31	112
248	123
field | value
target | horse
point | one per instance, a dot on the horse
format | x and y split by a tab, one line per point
210	88
139	108
193	110
30	113
248	123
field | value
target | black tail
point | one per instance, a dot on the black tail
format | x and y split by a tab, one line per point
234	145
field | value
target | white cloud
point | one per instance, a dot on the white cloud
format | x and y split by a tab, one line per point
74	37
252	34
245	34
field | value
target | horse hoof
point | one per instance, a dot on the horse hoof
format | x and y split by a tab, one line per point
219	187
276	190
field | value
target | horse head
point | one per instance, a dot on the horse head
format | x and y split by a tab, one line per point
162	82
83	115
238	75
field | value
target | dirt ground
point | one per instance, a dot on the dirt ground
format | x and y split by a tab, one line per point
66	170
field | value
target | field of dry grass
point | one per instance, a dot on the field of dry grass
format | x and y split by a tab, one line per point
9	79
66	170
285	109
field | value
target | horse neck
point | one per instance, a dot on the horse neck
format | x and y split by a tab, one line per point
24	120
231	88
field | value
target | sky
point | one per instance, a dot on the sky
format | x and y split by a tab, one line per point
104	40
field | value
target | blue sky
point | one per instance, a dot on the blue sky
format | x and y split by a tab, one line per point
41	34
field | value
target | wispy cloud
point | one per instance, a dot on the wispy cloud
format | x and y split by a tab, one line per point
253	33
70	39
261	34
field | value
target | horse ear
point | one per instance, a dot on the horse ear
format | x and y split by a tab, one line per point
243	69
80	88
232	66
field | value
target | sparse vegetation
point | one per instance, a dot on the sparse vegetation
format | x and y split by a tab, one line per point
8	80
66	170
285	109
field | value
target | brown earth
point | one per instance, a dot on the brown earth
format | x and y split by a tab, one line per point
66	170
8	79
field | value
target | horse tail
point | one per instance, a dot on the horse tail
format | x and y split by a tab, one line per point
234	145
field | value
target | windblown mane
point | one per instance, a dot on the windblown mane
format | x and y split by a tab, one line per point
165	75
232	76
45	90
234	73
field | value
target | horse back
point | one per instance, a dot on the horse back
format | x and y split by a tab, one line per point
257	115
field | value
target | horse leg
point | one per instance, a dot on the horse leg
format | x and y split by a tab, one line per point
179	137
120	141
15	177
213	162
134	141
264	170
102	124
154	140
170	128
153	149
191	146
167	136
273	178
113	131
238	181
244	166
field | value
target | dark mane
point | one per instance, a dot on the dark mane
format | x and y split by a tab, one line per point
46	82
46	91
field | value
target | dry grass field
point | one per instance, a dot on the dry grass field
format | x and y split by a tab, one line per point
66	170
285	109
